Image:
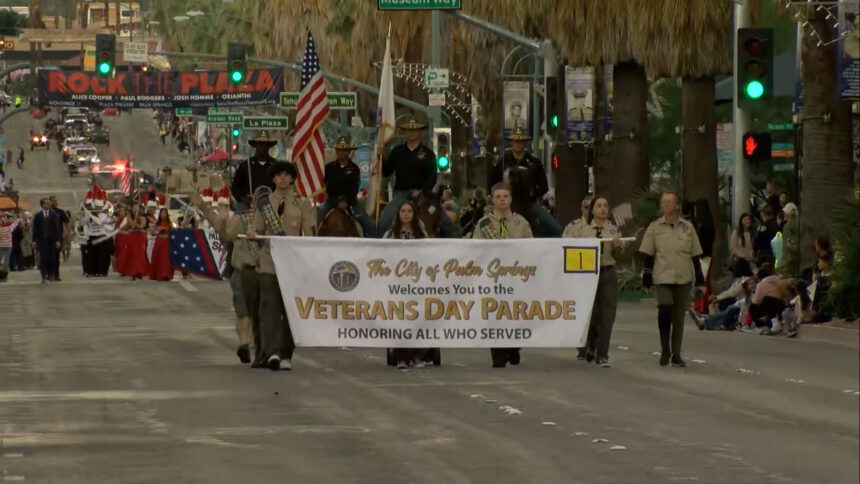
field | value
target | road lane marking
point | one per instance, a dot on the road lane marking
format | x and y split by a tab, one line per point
23	396
187	286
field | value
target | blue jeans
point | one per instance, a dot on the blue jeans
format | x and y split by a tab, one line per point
360	216
548	224
722	318
447	228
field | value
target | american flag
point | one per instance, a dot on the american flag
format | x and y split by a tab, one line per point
190	251
125	182
308	145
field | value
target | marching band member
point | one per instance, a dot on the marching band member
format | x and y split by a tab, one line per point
159	267
596	224
672	251
407	226
94	225
284	213
502	223
137	262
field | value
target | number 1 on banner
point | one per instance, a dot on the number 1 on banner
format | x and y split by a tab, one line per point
580	259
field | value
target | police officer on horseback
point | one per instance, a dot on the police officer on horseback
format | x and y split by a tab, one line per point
342	179
414	167
518	156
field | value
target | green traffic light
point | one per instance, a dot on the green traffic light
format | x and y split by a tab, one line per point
104	67
555	120
754	89
236	76
235	132
443	162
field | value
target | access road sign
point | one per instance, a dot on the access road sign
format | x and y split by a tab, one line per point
336	100
224	118
265	122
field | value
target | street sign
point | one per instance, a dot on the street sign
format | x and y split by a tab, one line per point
336	100
184	112
418	4
265	122
224	118
780	126
436	99
436	77
213	110
135	52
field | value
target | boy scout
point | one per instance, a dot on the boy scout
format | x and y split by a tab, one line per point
502	223
672	251
595	224
294	216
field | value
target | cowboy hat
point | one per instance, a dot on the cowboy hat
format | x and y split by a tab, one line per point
413	125
518	134
343	143
263	139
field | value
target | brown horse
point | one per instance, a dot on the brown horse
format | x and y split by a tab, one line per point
339	222
520	182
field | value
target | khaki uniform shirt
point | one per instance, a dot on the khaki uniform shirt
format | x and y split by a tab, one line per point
578	229
298	219
494	227
673	248
228	230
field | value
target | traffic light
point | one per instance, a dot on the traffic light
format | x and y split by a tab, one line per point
552	108
2	43
144	68
234	147
237	62
754	70
236	131
105	54
442	147
756	146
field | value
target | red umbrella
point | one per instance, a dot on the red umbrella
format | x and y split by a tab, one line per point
216	155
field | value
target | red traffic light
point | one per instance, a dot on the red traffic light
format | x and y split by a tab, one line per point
234	147
555	161
754	47
757	146
144	68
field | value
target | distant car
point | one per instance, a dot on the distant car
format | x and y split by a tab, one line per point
100	135
85	153
70	143
109	112
38	139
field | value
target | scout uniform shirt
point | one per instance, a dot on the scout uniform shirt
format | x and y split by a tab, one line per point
494	227
246	253
673	248
297	218
582	230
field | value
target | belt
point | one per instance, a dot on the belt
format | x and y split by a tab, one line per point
606	268
248	267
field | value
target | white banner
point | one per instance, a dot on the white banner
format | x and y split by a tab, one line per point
437	293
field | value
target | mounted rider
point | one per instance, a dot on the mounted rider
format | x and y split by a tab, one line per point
342	180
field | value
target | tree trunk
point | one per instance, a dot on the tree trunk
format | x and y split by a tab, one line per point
827	169
699	155
107	10
629	166
602	161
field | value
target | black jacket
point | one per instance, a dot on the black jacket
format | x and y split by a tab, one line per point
538	177
47	231
259	177
342	181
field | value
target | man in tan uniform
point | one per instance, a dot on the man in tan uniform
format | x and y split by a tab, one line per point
672	251
295	216
502	223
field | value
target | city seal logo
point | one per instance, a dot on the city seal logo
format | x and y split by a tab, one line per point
343	276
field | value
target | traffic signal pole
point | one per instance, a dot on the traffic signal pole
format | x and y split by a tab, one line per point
741	174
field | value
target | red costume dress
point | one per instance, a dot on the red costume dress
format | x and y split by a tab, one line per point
120	245
159	267
137	263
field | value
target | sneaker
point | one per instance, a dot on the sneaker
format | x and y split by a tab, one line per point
603	363
274	363
791	334
589	357
401	365
515	357
664	359
244	354
419	365
678	362
286	365
699	320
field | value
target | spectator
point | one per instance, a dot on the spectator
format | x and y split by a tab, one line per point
818	291
822	246
770	295
798	311
474	212
726	318
703	221
789	260
765	233
741	246
7	227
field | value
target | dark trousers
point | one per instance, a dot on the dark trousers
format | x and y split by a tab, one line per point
770	307
673	300
95	257
250	282
603	313
502	356
275	335
49	260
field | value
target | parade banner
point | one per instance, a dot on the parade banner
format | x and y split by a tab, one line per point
157	89
579	96
437	293
517	105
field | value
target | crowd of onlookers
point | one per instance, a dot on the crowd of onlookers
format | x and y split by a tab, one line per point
770	292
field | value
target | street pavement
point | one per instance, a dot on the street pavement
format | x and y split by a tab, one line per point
112	380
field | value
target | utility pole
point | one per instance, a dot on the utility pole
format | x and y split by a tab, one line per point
436	60
741	174
550	69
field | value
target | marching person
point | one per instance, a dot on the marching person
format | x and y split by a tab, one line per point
284	213
407	226
93	226
47	239
502	223
244	280
596	224
122	226
160	268
671	248
66	243
518	156
137	264
254	172
342	179
414	166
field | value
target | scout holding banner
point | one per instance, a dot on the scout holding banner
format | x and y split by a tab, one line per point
441	293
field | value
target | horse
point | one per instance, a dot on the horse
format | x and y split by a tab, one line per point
520	182
340	222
